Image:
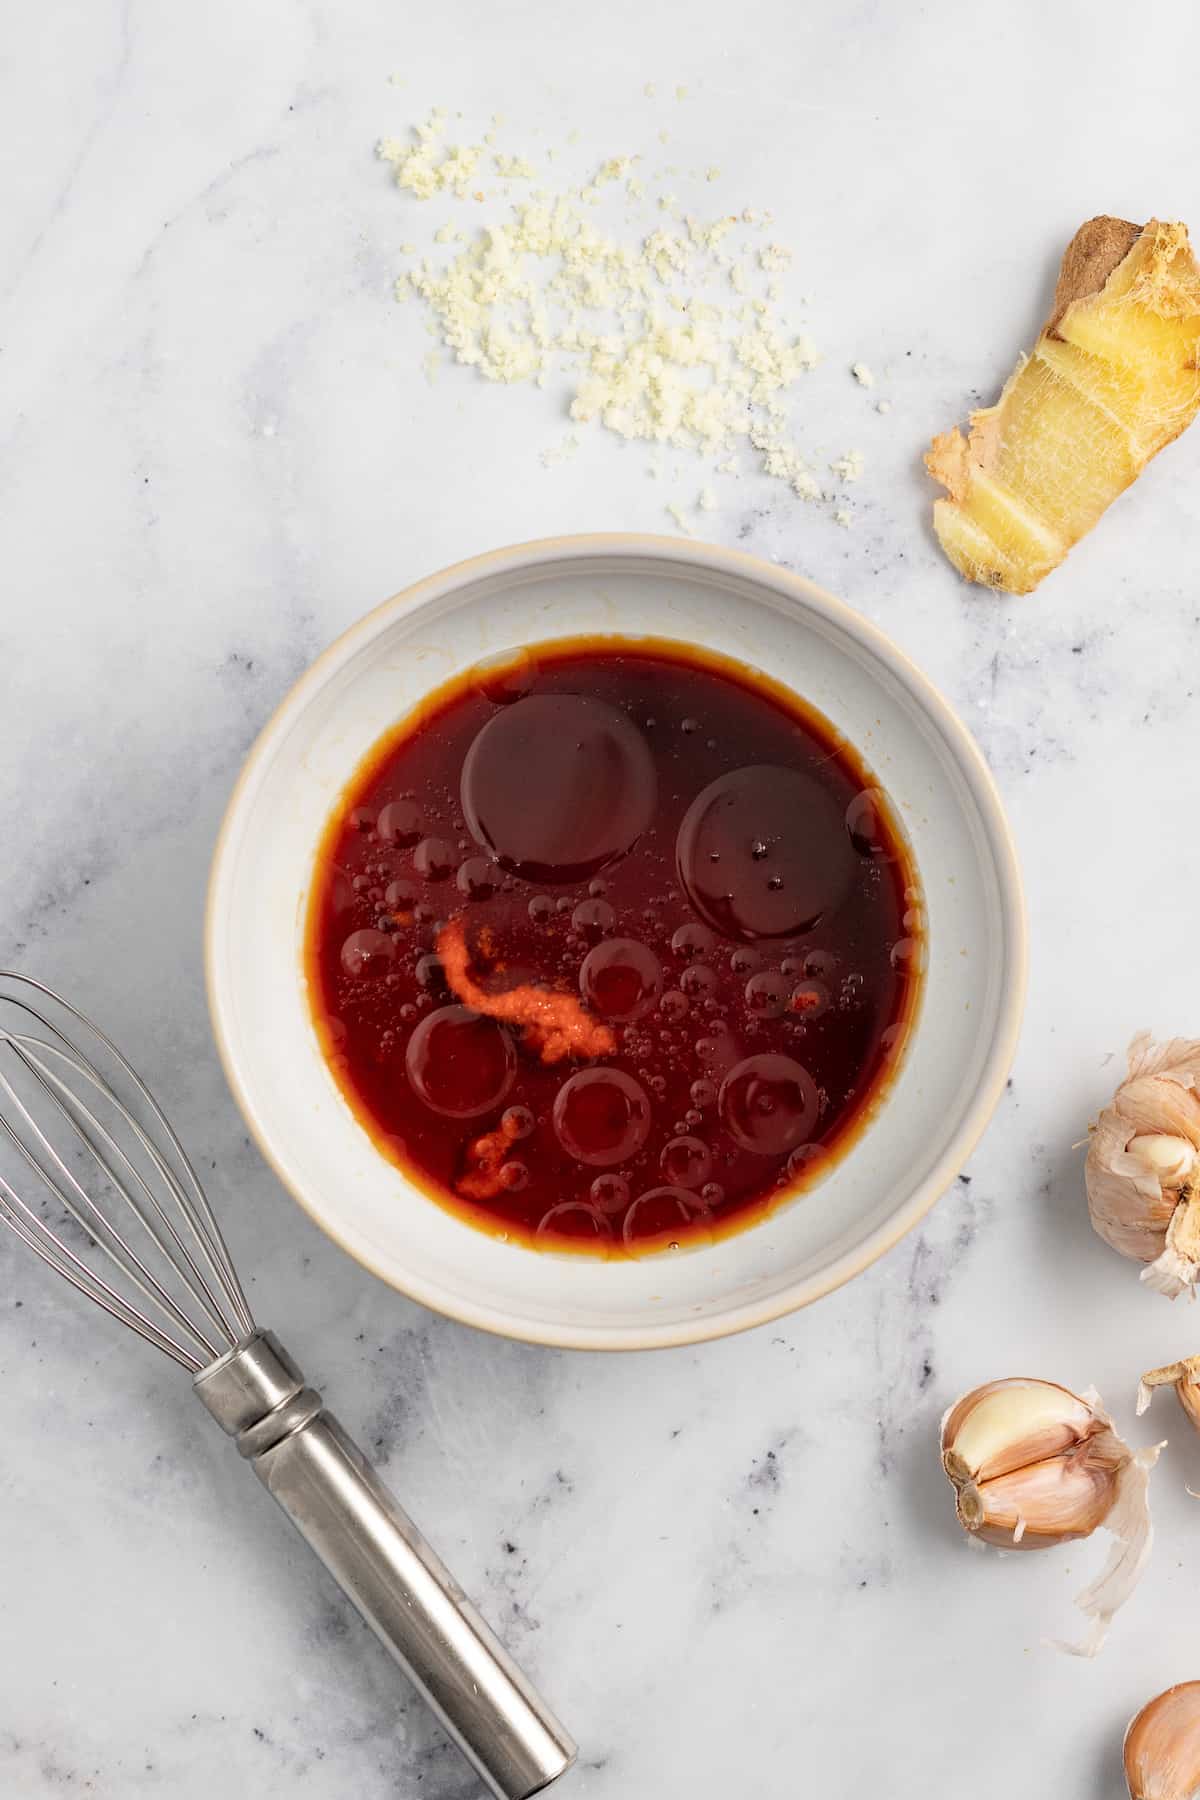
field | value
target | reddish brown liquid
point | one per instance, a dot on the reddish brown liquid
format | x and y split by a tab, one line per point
685	928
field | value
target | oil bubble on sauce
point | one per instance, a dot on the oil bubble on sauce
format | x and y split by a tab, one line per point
763	853
908	956
401	896
610	1193
665	1218
368	953
693	940
697	980
601	1116
460	1063
809	1000
865	823
717	1052
769	1104
431	974
518	1122
746	960
477	878
819	965
400	823
557	786
574	1219
767	995
686	1162
434	859
592	918
621	979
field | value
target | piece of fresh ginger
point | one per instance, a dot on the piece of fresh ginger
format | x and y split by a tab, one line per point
1113	377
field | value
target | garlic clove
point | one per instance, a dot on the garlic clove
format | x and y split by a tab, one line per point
1170	1159
1184	1377
1143	1161
1033	1465
1162	1746
1046	1504
1006	1425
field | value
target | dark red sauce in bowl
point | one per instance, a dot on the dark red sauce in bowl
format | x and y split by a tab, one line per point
614	945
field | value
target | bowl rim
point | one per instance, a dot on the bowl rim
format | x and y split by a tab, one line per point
709	558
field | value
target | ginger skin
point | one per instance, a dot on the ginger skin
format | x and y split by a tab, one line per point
1113	378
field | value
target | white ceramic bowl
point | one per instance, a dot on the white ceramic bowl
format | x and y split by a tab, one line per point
960	1053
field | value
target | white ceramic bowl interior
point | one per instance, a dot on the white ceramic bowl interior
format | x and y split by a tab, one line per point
957	1061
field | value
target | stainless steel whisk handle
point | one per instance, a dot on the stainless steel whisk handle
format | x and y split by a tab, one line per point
382	1563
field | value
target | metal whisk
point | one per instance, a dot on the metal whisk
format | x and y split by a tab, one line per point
109	1199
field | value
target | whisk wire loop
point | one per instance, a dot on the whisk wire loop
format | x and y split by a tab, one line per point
83	1209
163	1195
25	1224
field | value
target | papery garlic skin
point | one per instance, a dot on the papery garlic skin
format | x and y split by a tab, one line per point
1143	1164
1034	1465
1184	1377
1162	1746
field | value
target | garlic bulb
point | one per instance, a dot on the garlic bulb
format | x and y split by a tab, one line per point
1162	1746
1143	1178
1034	1465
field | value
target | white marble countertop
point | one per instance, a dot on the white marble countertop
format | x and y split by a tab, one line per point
734	1569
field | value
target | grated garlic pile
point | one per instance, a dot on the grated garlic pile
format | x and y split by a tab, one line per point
669	335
